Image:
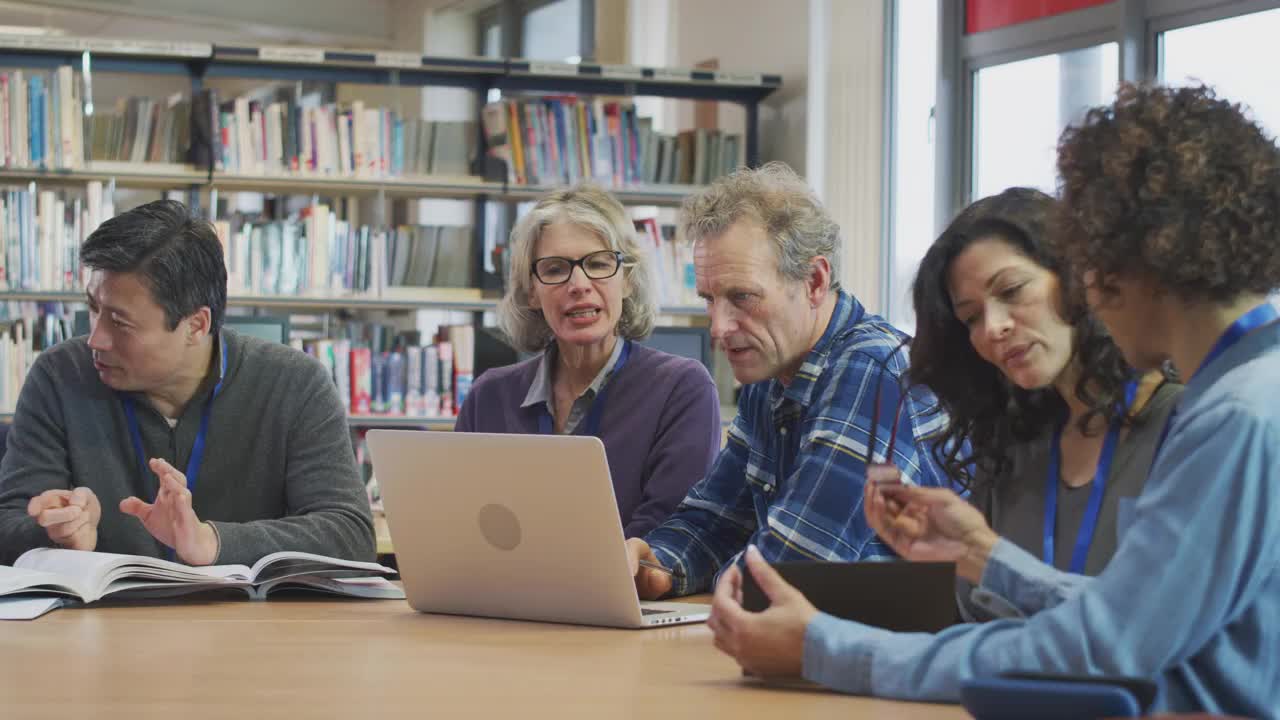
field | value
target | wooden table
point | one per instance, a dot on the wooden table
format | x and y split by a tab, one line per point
302	657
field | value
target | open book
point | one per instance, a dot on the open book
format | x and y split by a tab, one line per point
90	576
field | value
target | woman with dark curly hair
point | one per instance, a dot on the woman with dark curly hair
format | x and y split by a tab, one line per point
1170	219
1042	404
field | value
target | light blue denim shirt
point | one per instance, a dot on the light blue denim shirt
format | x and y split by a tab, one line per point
1191	598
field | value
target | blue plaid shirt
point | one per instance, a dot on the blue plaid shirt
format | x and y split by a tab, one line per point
790	478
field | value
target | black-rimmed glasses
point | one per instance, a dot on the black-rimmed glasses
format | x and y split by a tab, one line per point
599	265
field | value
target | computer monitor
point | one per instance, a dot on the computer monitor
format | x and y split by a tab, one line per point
272	328
690	342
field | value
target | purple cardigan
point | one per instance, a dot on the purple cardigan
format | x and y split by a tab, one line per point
660	427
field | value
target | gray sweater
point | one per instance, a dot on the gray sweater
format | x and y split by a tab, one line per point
278	472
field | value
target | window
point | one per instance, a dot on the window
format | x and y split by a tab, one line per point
1237	56
1022	107
551	31
537	29
915	62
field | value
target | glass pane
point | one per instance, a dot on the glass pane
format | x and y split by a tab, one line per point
914	92
551	32
1237	56
1021	108
492	41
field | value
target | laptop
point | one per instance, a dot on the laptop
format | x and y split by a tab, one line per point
522	527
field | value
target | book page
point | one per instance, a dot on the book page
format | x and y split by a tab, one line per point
288	563
15	580
375	588
99	574
28	608
85	569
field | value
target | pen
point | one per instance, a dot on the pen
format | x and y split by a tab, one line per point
659	568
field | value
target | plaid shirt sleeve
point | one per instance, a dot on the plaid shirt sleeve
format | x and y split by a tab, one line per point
815	513
715	520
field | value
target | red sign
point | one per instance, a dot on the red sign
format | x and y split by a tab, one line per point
983	15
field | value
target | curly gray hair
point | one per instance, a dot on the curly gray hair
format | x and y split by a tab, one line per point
782	203
591	207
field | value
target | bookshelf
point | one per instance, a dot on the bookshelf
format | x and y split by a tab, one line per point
421	299
170	177
486	182
455	299
362	421
727	414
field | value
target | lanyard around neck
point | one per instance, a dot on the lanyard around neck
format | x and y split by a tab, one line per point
1263	314
591	426
1089	523
197	449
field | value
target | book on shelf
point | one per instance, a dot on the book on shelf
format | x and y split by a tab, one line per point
41	232
87	577
279	131
670	261
318	254
558	140
290	132
18	350
310	253
141	130
382	373
41	119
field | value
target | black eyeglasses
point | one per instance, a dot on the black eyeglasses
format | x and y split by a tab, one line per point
598	265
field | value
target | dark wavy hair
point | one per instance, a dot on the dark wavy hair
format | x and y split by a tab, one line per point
1173	184
988	413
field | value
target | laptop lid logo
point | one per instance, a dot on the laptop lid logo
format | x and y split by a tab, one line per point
499	526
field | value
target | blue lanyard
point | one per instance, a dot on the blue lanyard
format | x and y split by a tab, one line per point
546	424
197	450
1264	314
1089	523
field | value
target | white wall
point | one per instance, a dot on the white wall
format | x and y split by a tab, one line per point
352	23
768	36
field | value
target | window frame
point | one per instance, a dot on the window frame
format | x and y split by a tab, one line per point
1135	25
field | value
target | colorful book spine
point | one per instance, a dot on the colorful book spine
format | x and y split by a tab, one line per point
361	365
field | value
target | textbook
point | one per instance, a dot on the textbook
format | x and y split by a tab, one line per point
76	575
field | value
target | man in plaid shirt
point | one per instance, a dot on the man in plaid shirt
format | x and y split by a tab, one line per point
823	380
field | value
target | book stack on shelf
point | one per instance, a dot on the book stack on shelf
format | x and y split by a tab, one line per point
293	133
141	130
41	119
316	253
563	140
311	253
43	126
382	375
41	232
671	261
22	337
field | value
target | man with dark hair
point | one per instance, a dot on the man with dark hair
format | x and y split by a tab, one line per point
104	423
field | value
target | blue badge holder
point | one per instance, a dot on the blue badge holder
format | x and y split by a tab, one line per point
1017	696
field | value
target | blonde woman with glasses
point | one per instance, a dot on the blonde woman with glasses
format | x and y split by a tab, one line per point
579	297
